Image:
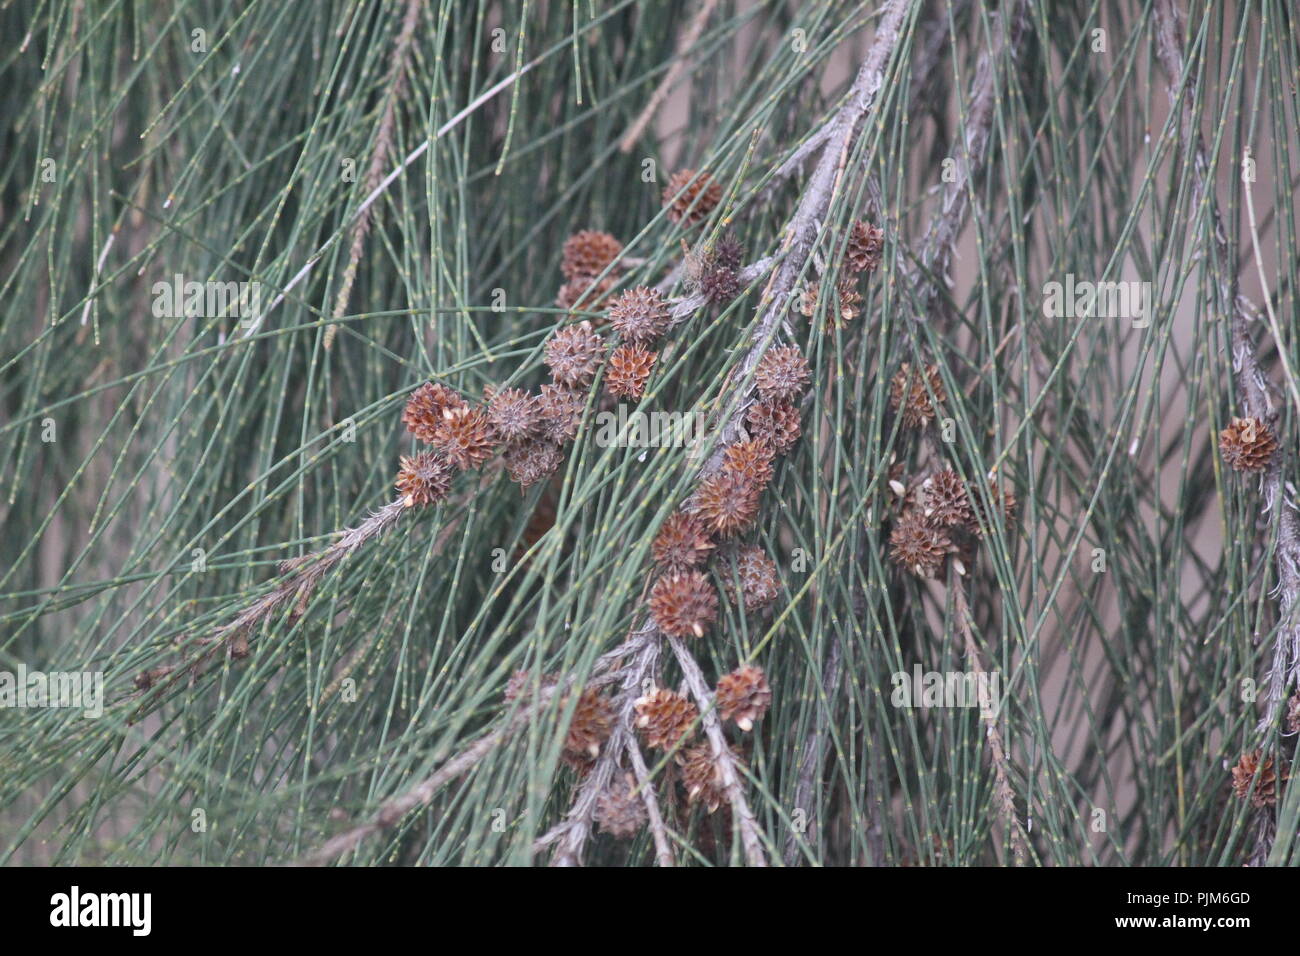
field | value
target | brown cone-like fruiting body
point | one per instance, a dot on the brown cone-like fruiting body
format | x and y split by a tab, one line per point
628	371
561	411
917	545
1004	500
909	394
759	580
585	293
532	461
588	252
464	436
776	423
423	479
574	354
691	201
640	315
1264	793
751	460
666	719
946	503
683	605
727	503
620	810
682	543
513	414
743	696
1247	444
782	374
864	246
425	406
592	719
701	777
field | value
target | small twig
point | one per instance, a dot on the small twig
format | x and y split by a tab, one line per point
722	756
688	40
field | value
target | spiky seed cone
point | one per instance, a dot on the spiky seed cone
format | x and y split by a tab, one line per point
945	502
759	579
909	397
1243	779
513	414
683	605
1247	444
588	252
464	435
864	247
629	369
425	406
981	519
752	460
666	719
917	545
806	303
574	354
592	719
561	411
782	374
532	461
719	284
727	254
521	684
585	293
689	201
850	303
776	423
423	479
620	810
743	696
727	503
701	777
640	315
682	543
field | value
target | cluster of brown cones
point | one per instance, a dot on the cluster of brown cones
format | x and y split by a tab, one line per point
862	254
942	516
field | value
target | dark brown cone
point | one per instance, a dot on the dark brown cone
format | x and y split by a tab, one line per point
584	293
425	406
1264	793
682	543
908	395
683	605
776	423
574	355
464	436
864	247
981	521
751	460
1247	444
945	502
700	775
759	579
918	546
532	461
691	201
628	371
561	413
592	719
513	414
588	252
849	301
666	719
727	503
423	479
640	315
782	374
727	254
743	696
620	810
